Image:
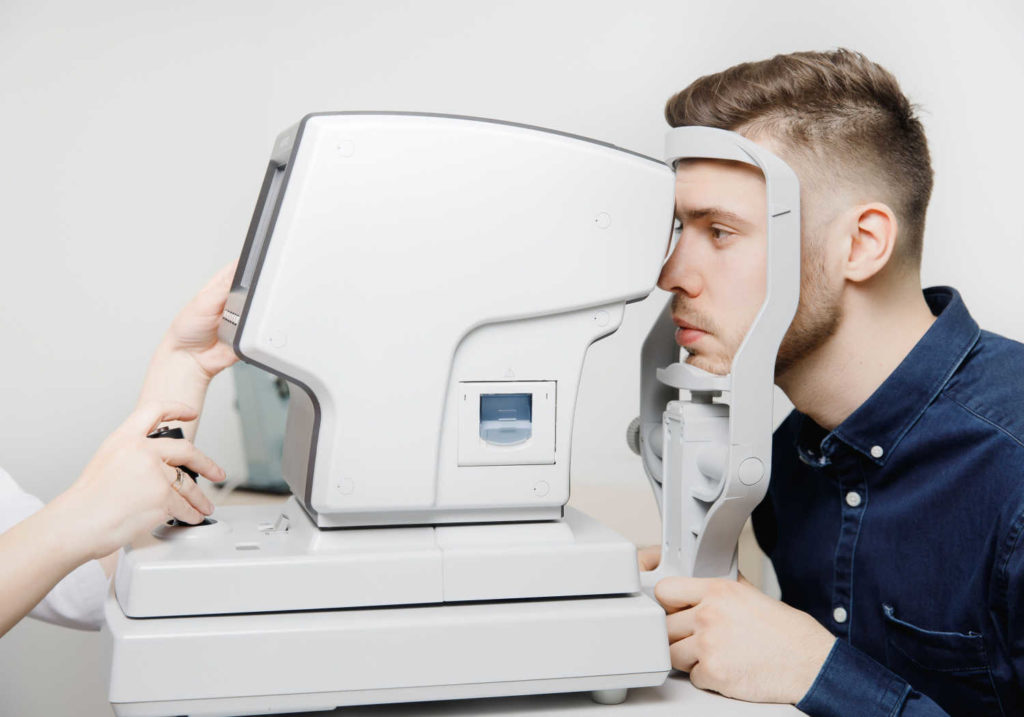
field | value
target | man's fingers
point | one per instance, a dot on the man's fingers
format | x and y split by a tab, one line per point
680	625
148	416
676	593
648	558
181	452
700	679
684	654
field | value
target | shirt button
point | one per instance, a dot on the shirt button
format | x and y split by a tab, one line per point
853	499
839	614
877	451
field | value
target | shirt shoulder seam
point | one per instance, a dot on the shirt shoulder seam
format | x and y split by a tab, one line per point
985	419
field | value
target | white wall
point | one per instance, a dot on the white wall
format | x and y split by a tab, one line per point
135	135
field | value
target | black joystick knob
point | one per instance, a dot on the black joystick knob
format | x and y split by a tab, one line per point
168	432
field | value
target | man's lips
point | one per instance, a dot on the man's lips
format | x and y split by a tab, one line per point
687	333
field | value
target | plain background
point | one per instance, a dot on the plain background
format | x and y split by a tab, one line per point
135	136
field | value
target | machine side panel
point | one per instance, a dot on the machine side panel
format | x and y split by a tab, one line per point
548	348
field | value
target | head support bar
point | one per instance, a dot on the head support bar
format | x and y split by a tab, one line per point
717	480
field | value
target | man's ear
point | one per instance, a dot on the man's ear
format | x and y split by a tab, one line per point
873	231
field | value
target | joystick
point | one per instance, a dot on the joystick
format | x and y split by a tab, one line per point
168	432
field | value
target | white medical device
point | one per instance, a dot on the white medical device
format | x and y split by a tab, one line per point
428	286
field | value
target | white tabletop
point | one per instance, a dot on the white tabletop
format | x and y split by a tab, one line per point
677	697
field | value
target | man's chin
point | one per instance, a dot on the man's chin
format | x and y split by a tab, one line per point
715	365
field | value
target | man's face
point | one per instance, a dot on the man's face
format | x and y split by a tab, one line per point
717	268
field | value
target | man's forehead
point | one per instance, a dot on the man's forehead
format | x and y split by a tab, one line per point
718	188
724	169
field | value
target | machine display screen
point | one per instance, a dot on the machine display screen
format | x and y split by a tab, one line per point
506	418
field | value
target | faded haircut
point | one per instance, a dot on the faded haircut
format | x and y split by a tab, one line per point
838	117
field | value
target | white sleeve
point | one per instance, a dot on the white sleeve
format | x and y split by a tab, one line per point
77	600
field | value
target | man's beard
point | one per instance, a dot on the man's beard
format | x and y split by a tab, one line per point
817	318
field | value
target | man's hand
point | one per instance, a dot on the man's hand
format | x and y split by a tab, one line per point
648	558
734	639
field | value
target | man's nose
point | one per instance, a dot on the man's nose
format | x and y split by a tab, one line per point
680	274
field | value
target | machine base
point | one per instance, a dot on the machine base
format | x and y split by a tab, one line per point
328	701
274	559
223	666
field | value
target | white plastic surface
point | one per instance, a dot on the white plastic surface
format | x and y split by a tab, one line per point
387	257
249	566
285	661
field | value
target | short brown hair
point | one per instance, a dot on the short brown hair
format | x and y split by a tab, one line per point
842	113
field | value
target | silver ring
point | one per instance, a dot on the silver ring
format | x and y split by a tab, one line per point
179	478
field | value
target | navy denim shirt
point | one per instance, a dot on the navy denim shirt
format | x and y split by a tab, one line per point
902	530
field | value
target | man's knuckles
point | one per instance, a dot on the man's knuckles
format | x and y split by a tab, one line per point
682	657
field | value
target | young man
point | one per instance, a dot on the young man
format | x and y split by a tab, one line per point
895	515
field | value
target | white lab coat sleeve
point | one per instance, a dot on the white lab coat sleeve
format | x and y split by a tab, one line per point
77	600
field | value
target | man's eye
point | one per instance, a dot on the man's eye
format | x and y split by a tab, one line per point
720	235
677	227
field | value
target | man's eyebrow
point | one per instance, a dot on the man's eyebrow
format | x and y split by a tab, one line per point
713	213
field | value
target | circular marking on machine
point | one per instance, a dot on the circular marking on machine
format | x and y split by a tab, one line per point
751	471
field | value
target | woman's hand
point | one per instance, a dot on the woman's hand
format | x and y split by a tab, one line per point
194	330
126	488
129	485
190	355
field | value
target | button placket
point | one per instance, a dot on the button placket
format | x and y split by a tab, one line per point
852	494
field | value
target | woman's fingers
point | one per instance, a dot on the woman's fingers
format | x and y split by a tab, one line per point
212	296
181	452
191	492
149	415
183	510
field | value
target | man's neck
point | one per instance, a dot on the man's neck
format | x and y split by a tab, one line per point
877	331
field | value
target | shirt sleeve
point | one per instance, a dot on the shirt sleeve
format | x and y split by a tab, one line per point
77	600
851	683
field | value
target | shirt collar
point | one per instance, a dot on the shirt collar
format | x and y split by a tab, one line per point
879	424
